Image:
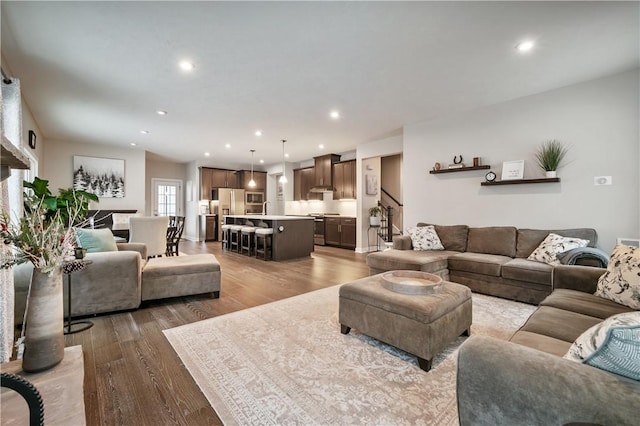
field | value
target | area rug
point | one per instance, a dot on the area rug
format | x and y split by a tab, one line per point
287	363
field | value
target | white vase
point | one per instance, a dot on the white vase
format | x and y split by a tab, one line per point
550	173
374	220
44	338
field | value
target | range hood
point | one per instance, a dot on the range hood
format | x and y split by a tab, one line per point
323	167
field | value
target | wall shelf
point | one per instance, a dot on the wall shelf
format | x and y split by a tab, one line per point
461	169
521	181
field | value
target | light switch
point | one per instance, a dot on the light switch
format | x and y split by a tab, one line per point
602	180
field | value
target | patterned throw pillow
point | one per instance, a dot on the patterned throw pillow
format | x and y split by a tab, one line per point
621	282
552	246
613	345
425	238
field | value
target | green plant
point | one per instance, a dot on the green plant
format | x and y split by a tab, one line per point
44	234
374	211
550	154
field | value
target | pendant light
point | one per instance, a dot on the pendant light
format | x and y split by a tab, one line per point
283	178
252	183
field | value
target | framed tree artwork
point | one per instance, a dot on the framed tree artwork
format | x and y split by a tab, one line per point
101	176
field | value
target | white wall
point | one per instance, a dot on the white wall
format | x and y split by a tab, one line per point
58	169
598	119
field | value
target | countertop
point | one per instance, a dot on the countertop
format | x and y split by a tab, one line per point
267	217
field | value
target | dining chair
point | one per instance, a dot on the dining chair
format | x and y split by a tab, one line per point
150	230
174	233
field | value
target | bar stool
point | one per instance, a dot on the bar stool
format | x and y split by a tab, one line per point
266	236
234	237
225	236
247	239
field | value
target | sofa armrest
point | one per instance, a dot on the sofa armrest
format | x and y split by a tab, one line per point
139	247
499	382
402	242
577	277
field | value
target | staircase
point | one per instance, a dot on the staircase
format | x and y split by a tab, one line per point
391	219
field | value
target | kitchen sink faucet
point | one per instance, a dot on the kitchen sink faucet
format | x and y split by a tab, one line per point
264	207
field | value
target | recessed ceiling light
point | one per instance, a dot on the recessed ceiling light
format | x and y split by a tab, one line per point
258	132
286	155
144	132
186	66
207	154
132	144
525	46
321	146
227	145
261	161
160	112
334	114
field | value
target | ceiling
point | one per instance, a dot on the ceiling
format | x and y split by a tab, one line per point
96	72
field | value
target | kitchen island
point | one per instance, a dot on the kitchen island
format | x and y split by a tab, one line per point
292	235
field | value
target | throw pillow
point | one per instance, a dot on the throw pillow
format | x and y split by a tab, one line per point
613	345
96	240
549	249
425	238
621	282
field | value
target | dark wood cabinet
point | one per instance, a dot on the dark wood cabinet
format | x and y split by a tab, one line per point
324	169
205	183
259	177
340	232
344	180
210	228
303	181
222	178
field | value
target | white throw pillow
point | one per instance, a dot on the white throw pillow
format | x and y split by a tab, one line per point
613	345
621	282
552	246
425	238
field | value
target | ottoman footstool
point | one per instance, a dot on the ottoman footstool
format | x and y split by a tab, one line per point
422	325
174	276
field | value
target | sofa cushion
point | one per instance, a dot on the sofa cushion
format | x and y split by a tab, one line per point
426	261
478	263
96	240
424	238
529	239
558	323
613	345
553	245
453	237
528	271
500	240
583	303
540	342
621	282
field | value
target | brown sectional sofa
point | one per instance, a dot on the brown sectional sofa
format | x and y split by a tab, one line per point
489	260
526	381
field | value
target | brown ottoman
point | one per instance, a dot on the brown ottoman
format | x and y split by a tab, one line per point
419	324
174	276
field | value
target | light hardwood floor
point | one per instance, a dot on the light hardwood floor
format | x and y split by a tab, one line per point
132	374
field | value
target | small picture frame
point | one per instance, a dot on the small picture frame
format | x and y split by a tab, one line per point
32	139
513	170
371	184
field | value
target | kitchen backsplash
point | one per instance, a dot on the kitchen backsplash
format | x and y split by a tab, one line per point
328	205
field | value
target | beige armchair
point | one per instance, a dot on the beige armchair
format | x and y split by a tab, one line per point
150	230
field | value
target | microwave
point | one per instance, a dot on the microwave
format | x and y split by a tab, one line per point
254	198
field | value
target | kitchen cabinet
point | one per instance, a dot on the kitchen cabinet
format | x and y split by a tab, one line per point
340	232
303	180
259	177
324	169
205	183
209	227
222	178
344	180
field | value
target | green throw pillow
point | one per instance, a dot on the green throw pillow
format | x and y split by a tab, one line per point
96	240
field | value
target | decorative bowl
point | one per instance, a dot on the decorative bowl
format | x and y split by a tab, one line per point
412	282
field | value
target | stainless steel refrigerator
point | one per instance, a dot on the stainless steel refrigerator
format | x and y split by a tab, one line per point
226	201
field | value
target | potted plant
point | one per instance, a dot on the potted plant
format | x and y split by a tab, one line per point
374	218
549	155
43	236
